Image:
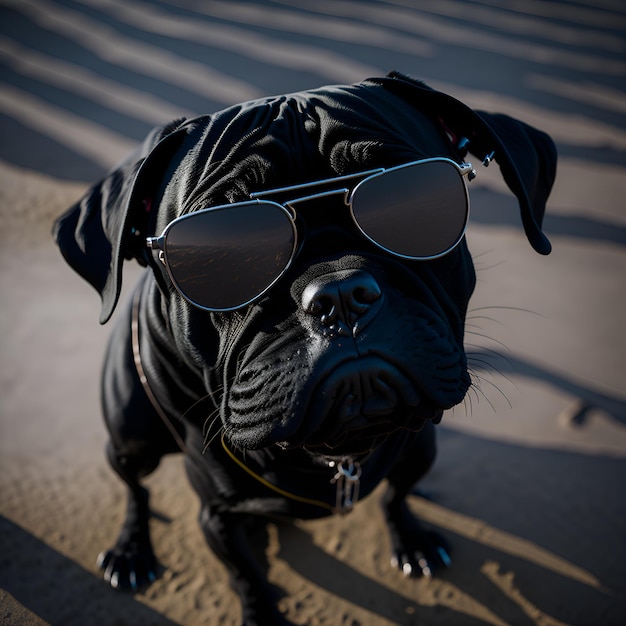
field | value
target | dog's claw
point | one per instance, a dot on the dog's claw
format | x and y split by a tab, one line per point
127	571
411	566
444	556
423	553
114	580
102	560
424	566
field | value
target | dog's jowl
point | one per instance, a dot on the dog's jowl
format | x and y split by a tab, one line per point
298	330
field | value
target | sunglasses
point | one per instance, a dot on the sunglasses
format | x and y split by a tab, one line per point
225	257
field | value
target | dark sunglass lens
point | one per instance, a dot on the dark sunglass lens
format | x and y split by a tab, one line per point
415	211
223	258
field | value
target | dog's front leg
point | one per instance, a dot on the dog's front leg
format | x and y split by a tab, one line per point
414	550
226	535
130	563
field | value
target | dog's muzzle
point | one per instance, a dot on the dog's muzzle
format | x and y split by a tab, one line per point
360	399
354	370
359	402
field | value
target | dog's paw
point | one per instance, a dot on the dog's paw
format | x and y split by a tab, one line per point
420	554
414	551
126	567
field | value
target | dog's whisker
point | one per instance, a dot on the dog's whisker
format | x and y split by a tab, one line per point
481	260
488	353
488	367
475	318
196	404
502	307
207	445
209	431
209	422
212	418
209	440
480	393
492	371
484	361
479	380
486	350
467	401
469	409
497	341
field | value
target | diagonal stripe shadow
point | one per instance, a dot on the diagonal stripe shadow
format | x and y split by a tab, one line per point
60	591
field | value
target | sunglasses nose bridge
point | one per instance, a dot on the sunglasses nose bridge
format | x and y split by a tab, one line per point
340	301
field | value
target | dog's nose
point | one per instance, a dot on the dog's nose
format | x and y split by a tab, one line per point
342	300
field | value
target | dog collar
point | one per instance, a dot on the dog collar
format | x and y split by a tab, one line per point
346	475
143	378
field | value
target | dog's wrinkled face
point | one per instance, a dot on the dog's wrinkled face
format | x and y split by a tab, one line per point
351	345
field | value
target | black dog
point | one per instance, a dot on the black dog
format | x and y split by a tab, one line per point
297	352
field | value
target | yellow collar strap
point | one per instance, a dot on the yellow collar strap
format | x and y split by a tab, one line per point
346	478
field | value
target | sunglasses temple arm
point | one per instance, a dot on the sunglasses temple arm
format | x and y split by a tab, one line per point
155	243
467	170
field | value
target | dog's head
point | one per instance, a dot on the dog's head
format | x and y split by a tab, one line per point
350	340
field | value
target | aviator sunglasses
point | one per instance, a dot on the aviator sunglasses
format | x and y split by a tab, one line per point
225	257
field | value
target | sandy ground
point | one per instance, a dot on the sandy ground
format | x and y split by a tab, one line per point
528	489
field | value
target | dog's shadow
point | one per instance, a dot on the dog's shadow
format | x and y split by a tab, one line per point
53	589
331	575
518	549
475	591
441	600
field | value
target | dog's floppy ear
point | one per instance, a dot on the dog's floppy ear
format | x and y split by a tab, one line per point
527	159
526	156
104	226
